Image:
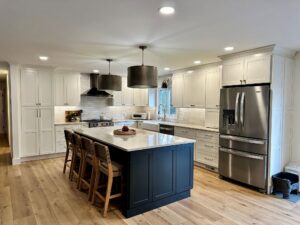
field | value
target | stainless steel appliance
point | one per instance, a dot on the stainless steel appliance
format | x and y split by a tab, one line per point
166	129
99	123
139	116
244	131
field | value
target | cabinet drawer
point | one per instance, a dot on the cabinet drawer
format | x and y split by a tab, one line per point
185	132
208	136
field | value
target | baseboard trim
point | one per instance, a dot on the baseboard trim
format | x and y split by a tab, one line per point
40	157
16	161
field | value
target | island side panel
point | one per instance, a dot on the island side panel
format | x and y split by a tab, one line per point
158	176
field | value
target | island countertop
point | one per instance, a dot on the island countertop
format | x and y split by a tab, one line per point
140	141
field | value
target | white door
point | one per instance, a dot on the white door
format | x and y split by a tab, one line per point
59	90
177	90
29	90
2	117
194	89
72	85
117	99
46	131
212	96
127	93
232	72
29	145
258	69
45	87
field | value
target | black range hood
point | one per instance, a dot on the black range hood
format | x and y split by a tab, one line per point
94	91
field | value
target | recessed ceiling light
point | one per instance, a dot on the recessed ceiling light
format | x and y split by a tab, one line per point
197	62
190	71
166	68
229	48
44	58
167	10
95	71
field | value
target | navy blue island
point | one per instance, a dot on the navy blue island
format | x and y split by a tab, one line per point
158	168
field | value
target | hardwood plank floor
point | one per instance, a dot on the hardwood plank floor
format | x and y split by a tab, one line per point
39	193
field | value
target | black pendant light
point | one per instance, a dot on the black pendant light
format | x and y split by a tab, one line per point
109	81
142	76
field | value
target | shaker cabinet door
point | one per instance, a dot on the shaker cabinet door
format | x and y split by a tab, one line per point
45	87
72	85
177	90
232	72
46	131
212	96
257	69
29	84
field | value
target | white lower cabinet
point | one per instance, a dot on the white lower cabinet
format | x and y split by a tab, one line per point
206	147
37	131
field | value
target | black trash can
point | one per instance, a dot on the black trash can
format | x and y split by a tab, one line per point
286	183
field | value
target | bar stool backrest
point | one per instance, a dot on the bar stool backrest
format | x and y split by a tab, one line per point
77	142
103	156
69	138
87	146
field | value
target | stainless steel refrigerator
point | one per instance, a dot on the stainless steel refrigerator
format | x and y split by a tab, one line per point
244	133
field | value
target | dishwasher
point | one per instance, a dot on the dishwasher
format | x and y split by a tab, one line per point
166	129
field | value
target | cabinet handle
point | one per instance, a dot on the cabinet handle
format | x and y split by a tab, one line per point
245	81
192	105
37	113
40	113
241	81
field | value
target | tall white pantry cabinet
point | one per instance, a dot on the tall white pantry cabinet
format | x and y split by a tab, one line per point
37	112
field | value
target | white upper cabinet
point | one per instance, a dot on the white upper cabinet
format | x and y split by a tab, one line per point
45	87
29	87
127	93
117	98
36	87
177	90
140	97
257	69
213	83
67	88
253	69
194	89
232	72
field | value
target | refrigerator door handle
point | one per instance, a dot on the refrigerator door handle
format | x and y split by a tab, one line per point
241	139
242	154
242	108
236	108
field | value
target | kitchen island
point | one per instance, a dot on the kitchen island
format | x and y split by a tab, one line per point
158	168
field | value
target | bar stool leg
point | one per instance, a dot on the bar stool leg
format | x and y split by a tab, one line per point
72	166
66	160
97	178
82	168
92	183
108	193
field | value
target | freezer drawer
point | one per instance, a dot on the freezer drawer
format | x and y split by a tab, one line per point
247	168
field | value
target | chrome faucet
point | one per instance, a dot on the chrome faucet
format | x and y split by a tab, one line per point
164	109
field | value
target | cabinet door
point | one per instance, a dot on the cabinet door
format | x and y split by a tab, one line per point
29	132
46	128
257	69
212	95
45	87
140	183
29	90
194	89
140	97
177	90
164	165
72	86
127	93
232	72
117	99
59	90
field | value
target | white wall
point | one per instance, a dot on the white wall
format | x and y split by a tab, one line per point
295	155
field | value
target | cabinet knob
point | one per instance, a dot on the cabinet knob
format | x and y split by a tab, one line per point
241	81
245	81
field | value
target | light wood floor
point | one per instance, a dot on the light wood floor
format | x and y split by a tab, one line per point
38	193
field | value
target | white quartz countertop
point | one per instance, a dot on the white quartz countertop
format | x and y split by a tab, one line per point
70	123
184	125
141	141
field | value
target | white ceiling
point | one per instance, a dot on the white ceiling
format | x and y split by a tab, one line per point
79	34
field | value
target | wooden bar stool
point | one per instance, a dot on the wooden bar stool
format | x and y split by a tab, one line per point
69	150
76	163
87	177
103	165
